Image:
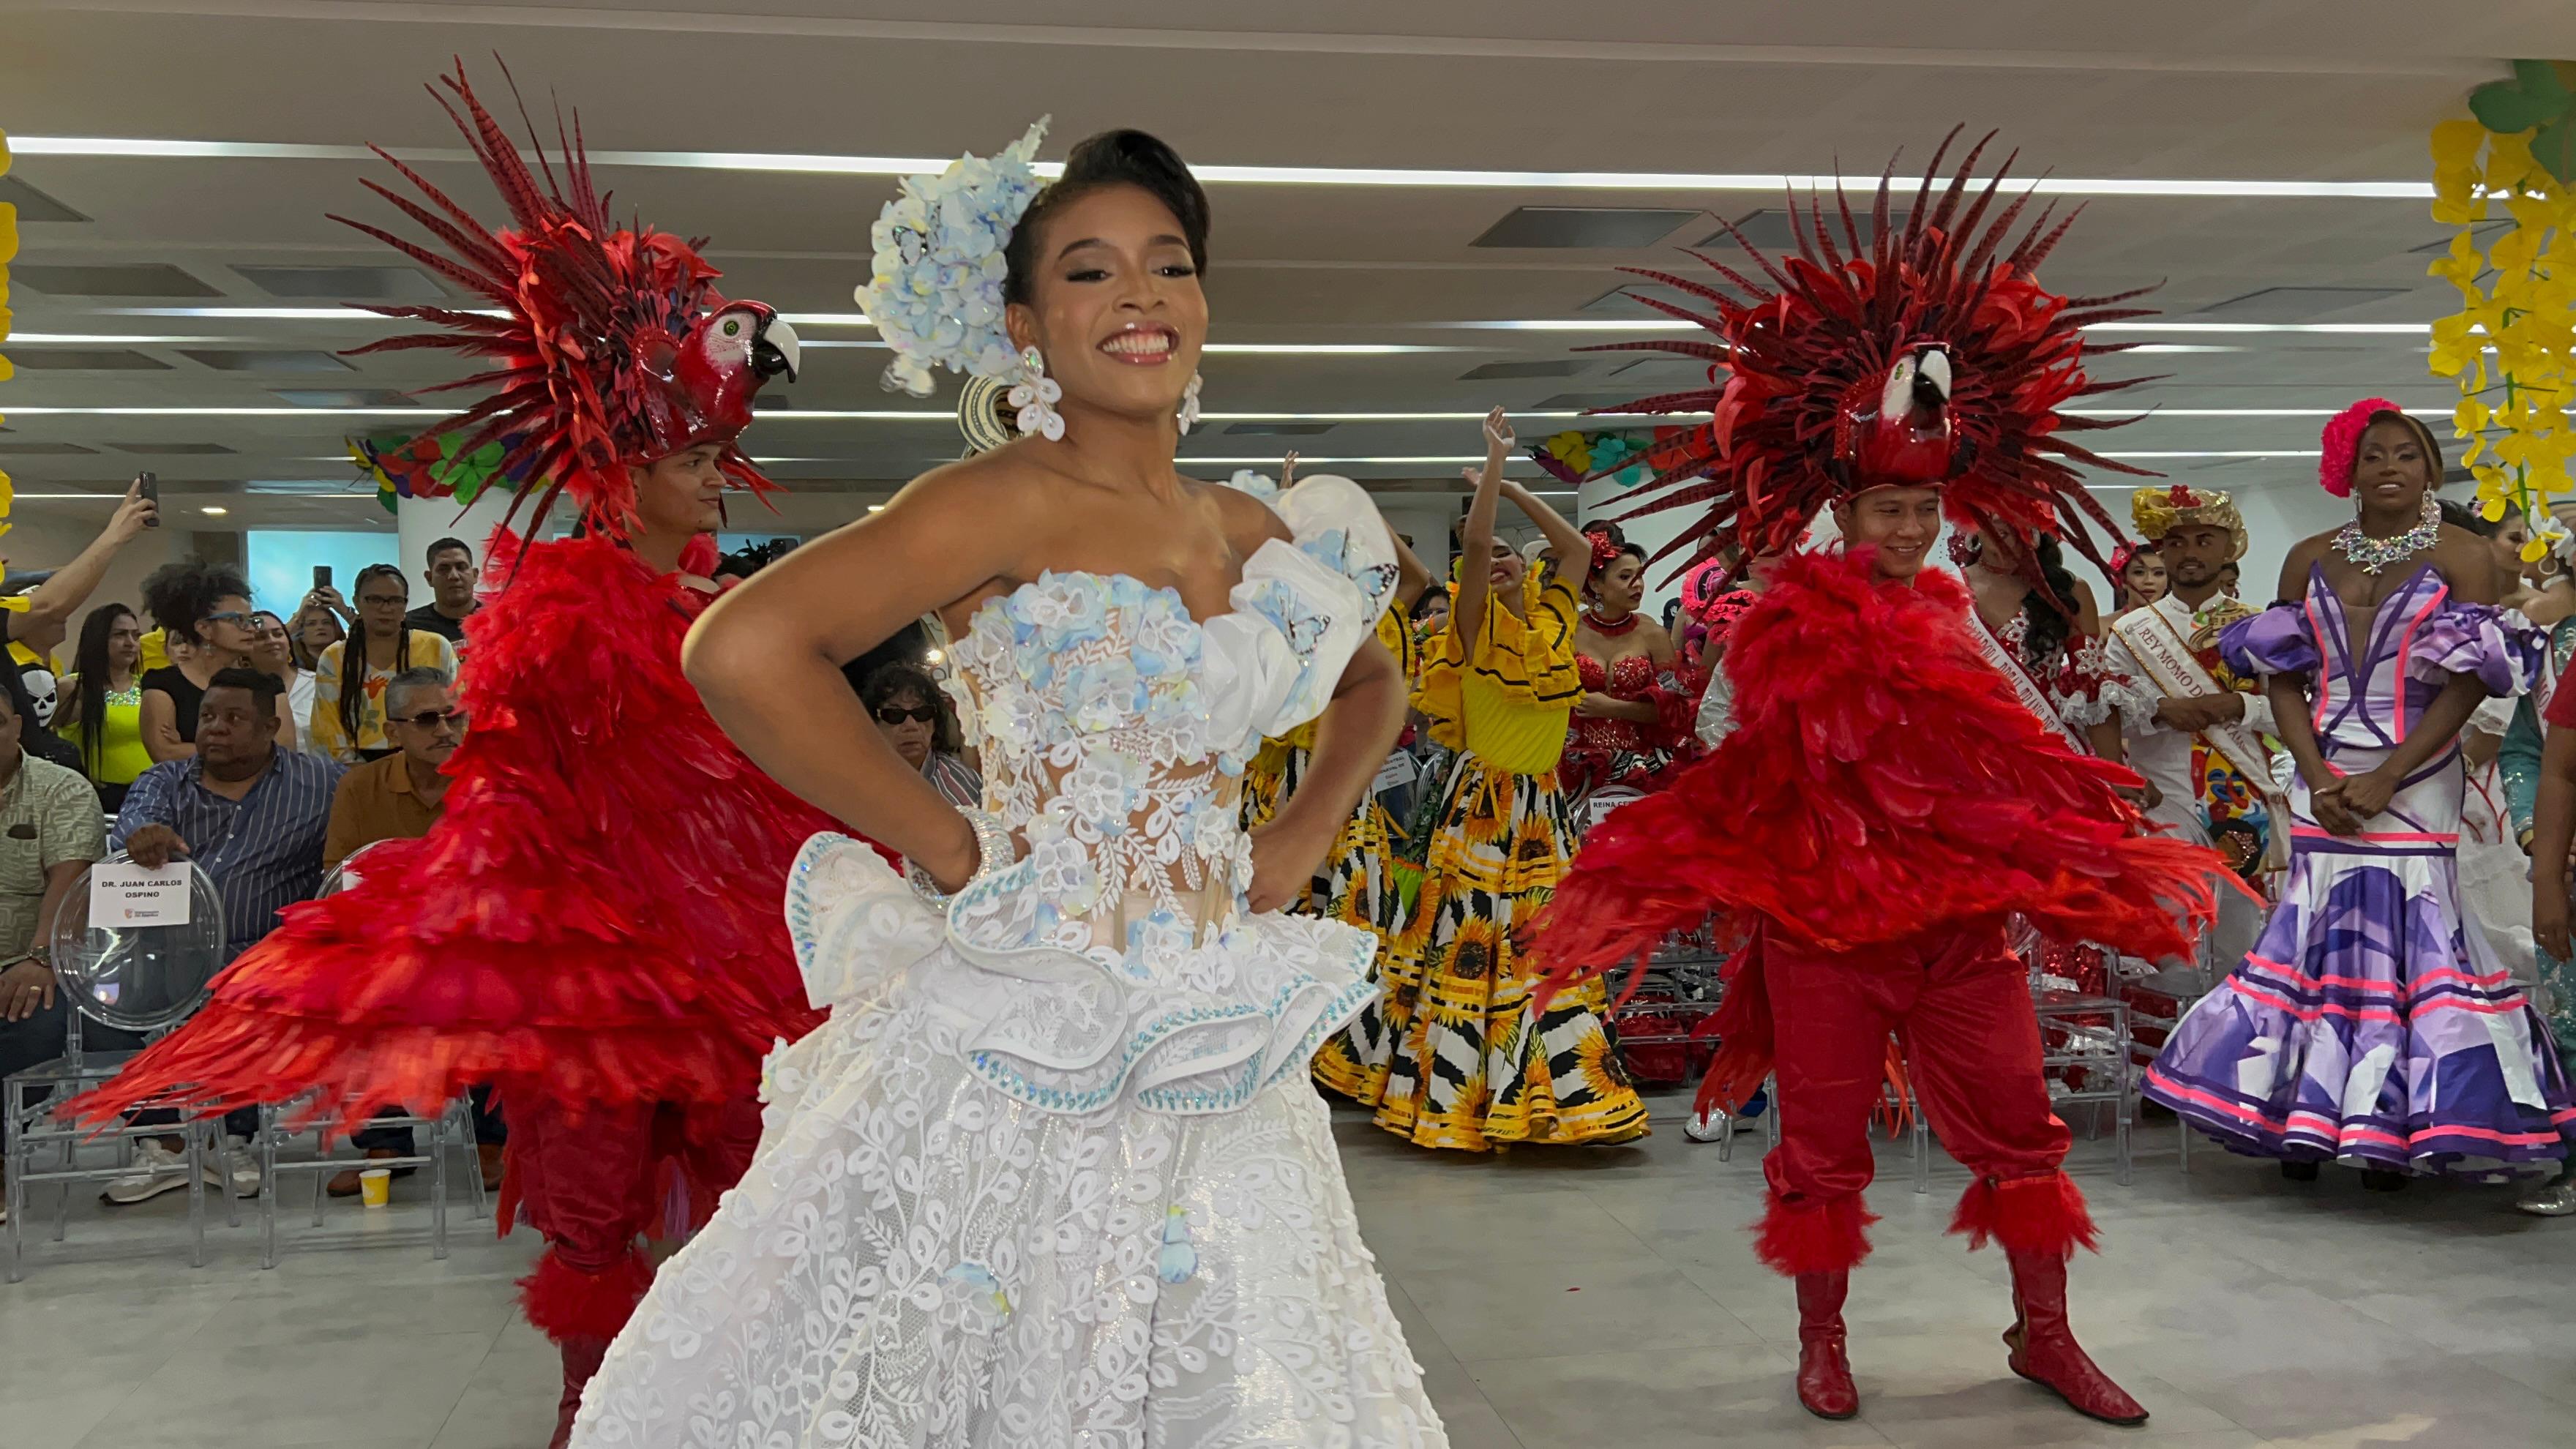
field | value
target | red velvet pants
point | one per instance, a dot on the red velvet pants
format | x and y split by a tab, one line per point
1959	1005
597	1179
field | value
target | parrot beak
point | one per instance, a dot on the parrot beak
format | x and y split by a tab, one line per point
773	348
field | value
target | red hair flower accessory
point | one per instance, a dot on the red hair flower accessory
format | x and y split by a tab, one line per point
2342	440
1605	550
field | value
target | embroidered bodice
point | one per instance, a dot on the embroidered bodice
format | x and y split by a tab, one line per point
1117	954
1634	679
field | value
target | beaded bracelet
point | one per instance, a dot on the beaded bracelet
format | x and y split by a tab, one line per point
994	850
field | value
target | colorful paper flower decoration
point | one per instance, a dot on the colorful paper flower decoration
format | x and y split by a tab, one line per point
427	466
2512	345
1626	457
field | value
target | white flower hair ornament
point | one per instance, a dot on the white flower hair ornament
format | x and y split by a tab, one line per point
935	289
2550	539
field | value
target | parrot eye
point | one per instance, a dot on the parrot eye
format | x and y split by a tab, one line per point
1899	390
733	327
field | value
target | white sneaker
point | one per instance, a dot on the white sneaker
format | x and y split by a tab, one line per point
245	1175
2555	1200
1707	1126
157	1170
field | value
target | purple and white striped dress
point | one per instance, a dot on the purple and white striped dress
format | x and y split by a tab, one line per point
2372	1024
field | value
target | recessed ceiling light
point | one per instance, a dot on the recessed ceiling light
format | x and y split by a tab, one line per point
1769	183
876	508
215	509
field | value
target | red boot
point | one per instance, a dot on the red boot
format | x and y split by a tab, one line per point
581	1359
2043	1345
1824	1373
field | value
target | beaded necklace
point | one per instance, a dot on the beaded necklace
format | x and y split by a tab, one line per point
2371	555
1611	631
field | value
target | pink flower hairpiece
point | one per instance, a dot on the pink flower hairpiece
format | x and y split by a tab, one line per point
2342	440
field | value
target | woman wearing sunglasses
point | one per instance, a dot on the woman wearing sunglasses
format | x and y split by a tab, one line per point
906	704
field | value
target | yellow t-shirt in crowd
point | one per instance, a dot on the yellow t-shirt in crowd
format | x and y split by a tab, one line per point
325	733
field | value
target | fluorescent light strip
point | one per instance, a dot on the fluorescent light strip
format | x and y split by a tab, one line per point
2237	453
145	147
1674	324
32	412
117	338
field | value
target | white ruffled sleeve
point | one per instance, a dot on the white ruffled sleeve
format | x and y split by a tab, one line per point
1303	609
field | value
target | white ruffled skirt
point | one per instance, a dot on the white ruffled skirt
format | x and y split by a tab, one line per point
918	1257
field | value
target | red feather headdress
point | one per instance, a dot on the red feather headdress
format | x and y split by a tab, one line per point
1800	359
611	346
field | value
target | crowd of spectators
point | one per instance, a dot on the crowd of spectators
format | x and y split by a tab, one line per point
250	744
270	750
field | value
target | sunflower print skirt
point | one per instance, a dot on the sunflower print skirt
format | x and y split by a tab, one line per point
1357	885
1451	1053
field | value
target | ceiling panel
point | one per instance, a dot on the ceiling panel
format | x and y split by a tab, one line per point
2290	89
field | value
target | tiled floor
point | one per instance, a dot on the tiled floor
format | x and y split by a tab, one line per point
1575	1299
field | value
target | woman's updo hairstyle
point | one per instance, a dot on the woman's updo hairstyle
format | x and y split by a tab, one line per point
1112	158
180	596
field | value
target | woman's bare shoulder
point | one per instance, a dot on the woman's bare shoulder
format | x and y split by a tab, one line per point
1247	520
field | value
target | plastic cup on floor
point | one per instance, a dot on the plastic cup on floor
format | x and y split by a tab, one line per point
376	1186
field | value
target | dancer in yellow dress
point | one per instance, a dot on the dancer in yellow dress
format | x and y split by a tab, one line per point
1452	1054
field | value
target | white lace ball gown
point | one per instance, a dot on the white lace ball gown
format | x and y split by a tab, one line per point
1053	1175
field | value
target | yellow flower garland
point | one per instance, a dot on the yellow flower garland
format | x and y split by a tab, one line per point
2518	303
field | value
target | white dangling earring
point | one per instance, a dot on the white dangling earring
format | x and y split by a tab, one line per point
1190	406
1036	395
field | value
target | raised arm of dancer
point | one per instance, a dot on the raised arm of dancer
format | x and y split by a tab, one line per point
1412	575
1565	543
1476	535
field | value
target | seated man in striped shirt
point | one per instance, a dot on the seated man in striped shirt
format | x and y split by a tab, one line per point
253	817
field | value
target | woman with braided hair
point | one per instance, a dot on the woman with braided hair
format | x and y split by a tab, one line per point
348	721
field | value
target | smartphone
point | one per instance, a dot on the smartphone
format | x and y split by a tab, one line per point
149	488
321	577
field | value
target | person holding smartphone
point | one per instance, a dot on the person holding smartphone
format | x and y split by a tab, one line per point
46	610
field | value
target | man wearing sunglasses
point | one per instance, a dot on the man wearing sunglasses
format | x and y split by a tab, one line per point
399	798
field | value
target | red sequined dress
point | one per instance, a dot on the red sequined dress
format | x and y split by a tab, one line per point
1603	752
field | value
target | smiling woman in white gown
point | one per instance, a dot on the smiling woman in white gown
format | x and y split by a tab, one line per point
1053	1175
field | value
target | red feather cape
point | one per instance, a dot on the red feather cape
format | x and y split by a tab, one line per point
595	917
1882	782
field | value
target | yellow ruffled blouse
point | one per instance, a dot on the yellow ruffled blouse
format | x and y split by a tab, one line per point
1510	695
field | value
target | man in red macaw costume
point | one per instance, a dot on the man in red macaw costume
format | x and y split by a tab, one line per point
1880	803
594	924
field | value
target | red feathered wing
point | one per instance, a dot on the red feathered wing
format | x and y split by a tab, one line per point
596	917
1882	782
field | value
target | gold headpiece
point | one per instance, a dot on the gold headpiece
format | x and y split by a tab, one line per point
2159	511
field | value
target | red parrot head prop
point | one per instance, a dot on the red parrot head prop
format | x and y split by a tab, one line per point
604	347
704	381
1922	353
1897	434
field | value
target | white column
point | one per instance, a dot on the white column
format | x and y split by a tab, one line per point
423	521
